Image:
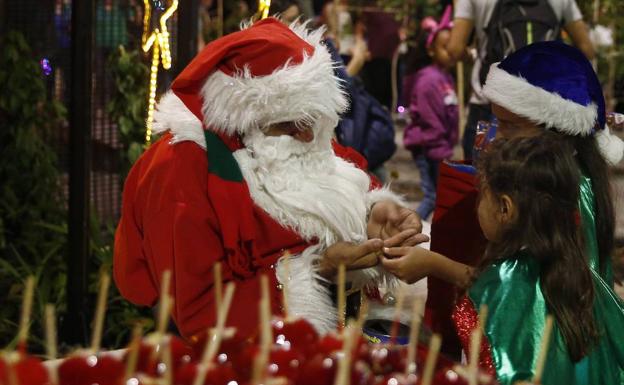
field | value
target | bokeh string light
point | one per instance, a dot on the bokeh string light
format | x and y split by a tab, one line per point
158	41
263	8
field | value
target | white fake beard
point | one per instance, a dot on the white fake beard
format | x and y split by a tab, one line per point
305	186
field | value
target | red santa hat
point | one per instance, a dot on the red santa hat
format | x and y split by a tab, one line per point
264	74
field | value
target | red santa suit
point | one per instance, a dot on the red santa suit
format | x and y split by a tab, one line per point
214	188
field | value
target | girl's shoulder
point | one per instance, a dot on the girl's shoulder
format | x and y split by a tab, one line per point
519	273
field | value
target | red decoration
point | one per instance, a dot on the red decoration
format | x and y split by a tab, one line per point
90	369
26	369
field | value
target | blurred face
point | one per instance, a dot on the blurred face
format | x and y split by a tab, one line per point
290	14
438	51
487	212
512	126
494	213
298	132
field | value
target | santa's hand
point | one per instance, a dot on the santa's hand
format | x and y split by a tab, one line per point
388	219
353	256
410	237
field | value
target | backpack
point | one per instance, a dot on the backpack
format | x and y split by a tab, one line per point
367	127
515	24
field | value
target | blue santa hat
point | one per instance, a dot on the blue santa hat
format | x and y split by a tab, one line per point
554	84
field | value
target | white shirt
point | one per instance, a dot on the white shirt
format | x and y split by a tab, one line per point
480	11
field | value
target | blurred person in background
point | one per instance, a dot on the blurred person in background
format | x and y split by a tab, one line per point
430	90
486	17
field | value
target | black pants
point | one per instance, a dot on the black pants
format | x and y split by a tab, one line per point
476	113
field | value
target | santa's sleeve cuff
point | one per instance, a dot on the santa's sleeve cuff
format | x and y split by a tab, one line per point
383	194
307	297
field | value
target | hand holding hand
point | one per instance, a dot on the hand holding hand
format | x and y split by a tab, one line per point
409	264
353	256
388	219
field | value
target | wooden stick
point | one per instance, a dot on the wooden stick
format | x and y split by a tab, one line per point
460	98
220	17
398	307
475	346
133	352
11	374
473	362
100	312
410	367
50	331
158	337
286	285
165	303
213	342
342	297
266	337
336	16
164	310
483	315
27	300
543	352
218	287
343	376
50	337
432	358
168	361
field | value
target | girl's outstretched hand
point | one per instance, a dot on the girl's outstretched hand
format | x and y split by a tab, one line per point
409	264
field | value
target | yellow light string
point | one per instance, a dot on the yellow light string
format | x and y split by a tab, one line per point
158	41
263	8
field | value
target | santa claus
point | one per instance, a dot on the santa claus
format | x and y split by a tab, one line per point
245	171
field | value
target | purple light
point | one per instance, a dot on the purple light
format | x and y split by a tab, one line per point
46	67
401	109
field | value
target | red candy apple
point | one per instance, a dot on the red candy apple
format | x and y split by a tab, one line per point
26	369
87	369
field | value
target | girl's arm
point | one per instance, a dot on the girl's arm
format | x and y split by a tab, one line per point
411	264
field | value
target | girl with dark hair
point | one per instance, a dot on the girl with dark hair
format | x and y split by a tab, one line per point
535	263
551	225
430	91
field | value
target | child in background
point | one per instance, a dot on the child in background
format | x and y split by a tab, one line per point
535	264
430	90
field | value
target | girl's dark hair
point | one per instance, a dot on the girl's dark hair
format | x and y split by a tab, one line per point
417	56
595	167
541	176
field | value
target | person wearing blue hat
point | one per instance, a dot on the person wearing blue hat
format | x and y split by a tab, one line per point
552	86
549	243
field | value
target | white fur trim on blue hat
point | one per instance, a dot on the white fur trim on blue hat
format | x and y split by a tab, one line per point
540	106
611	147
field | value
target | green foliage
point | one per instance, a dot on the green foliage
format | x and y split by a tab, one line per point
121	315
32	213
610	65
128	106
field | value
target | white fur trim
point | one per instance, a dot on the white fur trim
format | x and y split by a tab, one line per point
611	147
383	194
307	297
543	107
172	115
301	93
